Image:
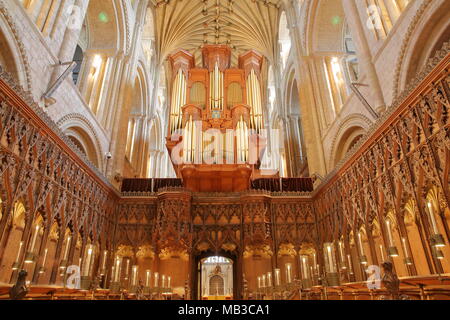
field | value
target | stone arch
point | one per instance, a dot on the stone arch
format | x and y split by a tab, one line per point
136	148
81	132
82	140
13	57
426	34
353	128
346	142
105	26
327	28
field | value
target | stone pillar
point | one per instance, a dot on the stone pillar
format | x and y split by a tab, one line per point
110	102
71	36
364	54
120	122
298	149
311	115
83	82
151	158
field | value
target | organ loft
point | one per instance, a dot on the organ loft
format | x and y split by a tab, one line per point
224	150
216	119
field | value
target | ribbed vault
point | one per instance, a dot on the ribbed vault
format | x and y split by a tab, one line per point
242	24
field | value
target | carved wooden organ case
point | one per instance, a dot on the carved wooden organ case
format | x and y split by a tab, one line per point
216	119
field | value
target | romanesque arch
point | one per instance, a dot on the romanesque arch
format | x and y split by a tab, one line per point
350	132
427	33
13	57
83	135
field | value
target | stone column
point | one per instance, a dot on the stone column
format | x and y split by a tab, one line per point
118	124
298	150
364	54
113	90
83	82
151	158
71	36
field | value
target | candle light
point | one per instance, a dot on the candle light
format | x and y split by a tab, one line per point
66	249
277	277
127	268
147	278
20	250
105	254
315	262
33	242
405	248
360	244
331	265
305	269
389	231
288	273
263	280
169	279
269	279
433	218
113	273
87	263
349	258
382	252
156	274
45	257
117	275
163	284
259	282
341	252
134	276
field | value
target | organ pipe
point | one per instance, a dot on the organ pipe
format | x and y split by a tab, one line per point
224	145
216	88
254	101
178	100
242	140
191	143
245	136
238	144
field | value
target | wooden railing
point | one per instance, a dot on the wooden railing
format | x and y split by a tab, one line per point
60	293
431	287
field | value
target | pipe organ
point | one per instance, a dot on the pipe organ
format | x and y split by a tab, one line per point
216	136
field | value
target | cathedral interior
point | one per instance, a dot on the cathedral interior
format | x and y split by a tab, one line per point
225	149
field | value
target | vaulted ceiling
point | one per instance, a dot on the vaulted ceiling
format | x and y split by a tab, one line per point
242	24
